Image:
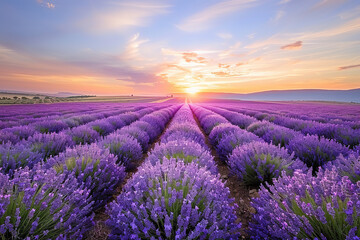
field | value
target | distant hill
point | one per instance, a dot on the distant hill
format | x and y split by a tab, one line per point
352	95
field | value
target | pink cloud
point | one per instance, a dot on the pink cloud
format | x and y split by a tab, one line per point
193	57
350	66
293	46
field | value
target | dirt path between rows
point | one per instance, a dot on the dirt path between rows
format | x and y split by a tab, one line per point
100	231
237	188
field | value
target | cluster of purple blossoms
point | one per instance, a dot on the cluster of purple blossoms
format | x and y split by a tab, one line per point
230	141
257	163
93	167
50	144
21	133
184	131
146	127
306	207
184	150
141	136
126	148
211	121
83	135
103	127
272	133
17	156
41	204
49	126
221	131
315	152
238	119
173	200
346	166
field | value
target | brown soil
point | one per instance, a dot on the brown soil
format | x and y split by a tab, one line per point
241	193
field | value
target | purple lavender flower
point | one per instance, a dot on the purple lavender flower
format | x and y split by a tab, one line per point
23	132
220	131
16	156
50	144
183	131
229	142
126	148
41	204
141	136
315	152
306	207
117	121
146	127
103	127
173	200
83	134
6	136
258	163
187	151
211	121
49	126
94	168
346	166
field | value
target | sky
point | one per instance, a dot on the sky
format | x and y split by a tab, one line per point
112	47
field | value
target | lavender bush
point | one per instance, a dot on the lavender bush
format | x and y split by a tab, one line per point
211	121
50	144
172	200
141	136
221	130
258	163
83	134
349	166
146	127
42	204
307	207
229	142
184	131
126	148
103	127
315	152
49	126
16	156
95	168
187	151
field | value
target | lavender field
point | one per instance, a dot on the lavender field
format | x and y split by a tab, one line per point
207	170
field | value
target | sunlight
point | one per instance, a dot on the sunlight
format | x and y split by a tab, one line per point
192	90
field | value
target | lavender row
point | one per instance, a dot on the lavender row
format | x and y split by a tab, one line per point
56	200
320	112
41	146
22	115
314	151
249	158
297	205
175	194
17	133
346	134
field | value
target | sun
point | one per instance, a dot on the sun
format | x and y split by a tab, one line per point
192	90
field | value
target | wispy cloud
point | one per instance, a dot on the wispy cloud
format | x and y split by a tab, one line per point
327	3
279	14
225	35
132	48
193	57
47	4
202	19
284	1
120	16
293	46
348	67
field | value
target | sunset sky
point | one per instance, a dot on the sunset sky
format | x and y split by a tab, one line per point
112	47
